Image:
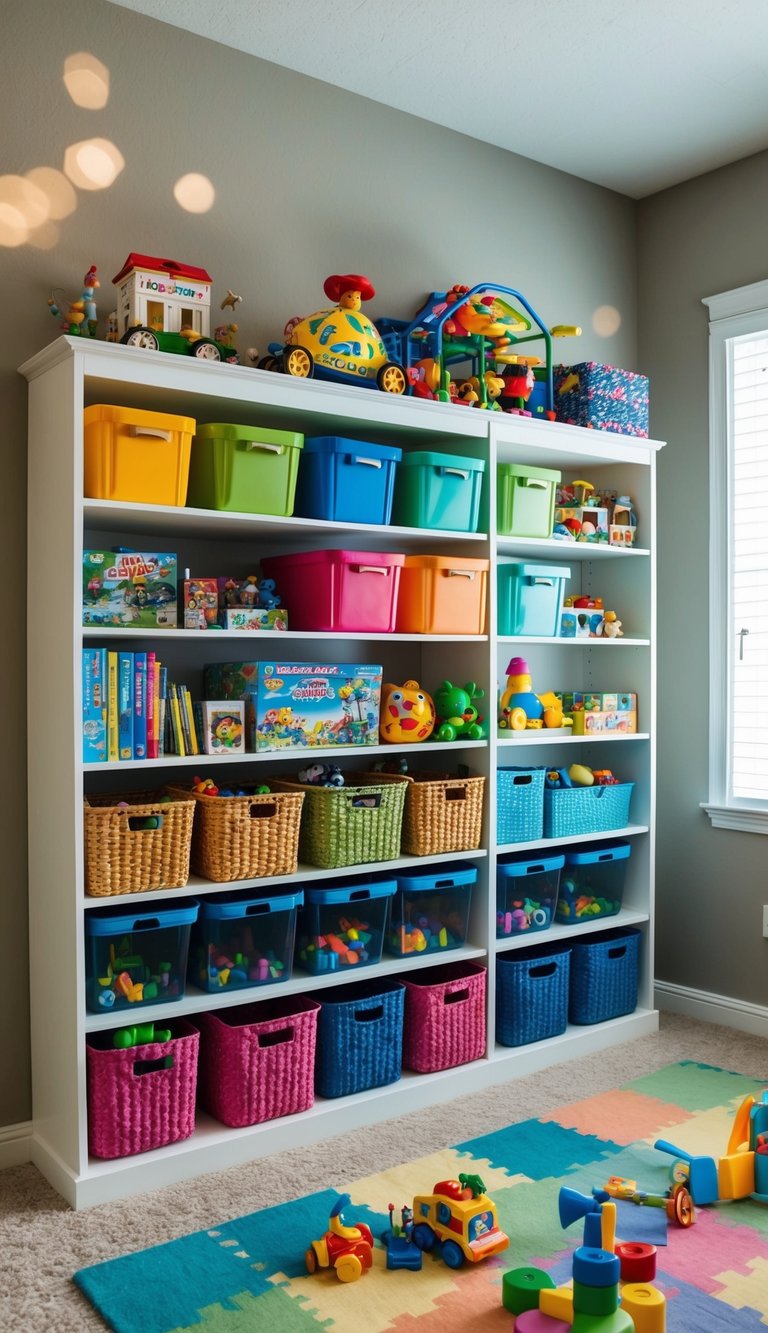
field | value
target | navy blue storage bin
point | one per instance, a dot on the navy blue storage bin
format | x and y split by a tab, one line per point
350	481
531	995
359	1037
519	804
604	976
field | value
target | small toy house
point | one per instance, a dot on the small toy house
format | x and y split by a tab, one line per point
164	296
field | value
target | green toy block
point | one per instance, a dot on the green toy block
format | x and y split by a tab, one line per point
618	1322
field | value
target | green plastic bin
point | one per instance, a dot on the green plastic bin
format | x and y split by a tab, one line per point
438	491
243	469
525	500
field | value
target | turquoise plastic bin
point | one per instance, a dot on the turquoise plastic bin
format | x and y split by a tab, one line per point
530	597
438	491
136	958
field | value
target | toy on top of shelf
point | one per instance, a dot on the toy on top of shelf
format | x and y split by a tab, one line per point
165	306
407	713
520	708
78	318
348	1250
458	1221
457	716
341	344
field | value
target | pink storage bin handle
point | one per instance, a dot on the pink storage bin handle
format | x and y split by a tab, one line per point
370	569
151	430
162	1064
277	1037
456	992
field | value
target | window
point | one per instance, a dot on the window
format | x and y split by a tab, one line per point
738	768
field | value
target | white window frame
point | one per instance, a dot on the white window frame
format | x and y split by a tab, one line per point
732	314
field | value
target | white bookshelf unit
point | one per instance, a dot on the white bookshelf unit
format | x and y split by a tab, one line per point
72	373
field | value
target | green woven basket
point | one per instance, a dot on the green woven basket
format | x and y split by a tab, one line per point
347	826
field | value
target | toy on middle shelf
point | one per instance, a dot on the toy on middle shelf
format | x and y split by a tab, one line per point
600	711
520	708
457	714
136	588
252	603
585	515
407	713
346	1249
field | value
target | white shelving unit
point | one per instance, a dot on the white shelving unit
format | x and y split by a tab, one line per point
63	379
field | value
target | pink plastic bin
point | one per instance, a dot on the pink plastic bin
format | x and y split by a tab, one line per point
444	1017
142	1097
338	590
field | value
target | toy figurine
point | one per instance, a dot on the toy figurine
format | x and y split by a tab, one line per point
612	626
457	715
348	1250
407	713
79	318
520	708
322	775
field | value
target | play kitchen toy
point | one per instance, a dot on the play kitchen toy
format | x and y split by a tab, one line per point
354	591
142	457
240	941
245	469
439	491
346	481
137	958
442	594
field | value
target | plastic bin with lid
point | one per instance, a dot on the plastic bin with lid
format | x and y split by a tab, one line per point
342	926
430	910
348	481
243	940
592	883
136	958
526	894
130	454
525	500
332	591
441	594
530	596
244	469
438	491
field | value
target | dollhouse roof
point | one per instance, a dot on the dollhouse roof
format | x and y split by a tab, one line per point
155	265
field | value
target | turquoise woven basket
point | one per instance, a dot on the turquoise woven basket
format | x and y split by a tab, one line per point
520	804
571	811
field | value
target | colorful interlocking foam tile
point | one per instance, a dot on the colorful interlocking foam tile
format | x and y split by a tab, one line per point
249	1274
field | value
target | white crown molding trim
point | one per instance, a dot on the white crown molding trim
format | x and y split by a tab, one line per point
722	1009
738	301
15	1144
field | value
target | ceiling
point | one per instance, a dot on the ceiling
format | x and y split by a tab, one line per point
635	95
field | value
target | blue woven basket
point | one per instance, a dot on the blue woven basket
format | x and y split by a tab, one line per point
604	977
531	995
520	804
359	1037
571	811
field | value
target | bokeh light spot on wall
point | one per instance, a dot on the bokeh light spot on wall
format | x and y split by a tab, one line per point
194	192
62	199
45	237
13	229
93	164
606	321
86	80
23	206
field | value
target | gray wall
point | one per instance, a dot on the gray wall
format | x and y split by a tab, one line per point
703	237
309	181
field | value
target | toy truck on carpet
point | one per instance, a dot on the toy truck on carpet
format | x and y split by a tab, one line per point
459	1221
166	306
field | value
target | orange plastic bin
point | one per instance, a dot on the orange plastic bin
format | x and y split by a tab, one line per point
442	594
135	455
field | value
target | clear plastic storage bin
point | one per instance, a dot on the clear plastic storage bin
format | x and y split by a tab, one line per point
242	941
526	894
343	926
136	958
592	883
430	911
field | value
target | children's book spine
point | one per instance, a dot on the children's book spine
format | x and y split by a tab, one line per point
162	705
125	696
199	713
94	705
187	697
178	734
112	706
151	719
139	705
187	739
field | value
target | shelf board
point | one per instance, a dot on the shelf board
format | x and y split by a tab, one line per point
197	885
556	642
579	1041
557	933
541	737
536	547
197	1001
207	637
299	756
628	831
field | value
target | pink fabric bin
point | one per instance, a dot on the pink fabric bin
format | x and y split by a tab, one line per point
444	1017
142	1097
338	590
257	1061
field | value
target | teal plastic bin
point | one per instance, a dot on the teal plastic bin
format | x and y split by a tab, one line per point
438	491
525	500
243	469
592	883
530	598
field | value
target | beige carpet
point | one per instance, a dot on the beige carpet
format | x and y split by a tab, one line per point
42	1242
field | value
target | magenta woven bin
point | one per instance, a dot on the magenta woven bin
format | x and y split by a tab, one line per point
444	1017
142	1097
257	1061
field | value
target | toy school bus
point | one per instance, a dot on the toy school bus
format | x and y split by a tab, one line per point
460	1220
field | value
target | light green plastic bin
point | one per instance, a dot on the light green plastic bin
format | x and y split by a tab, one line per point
525	500
244	469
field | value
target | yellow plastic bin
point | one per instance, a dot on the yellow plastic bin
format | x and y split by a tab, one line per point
135	455
442	594
244	469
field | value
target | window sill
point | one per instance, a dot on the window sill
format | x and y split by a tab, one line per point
737	818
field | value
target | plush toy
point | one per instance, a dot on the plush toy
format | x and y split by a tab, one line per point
322	775
612	626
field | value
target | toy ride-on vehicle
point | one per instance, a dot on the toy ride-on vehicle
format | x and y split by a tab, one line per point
339	344
458	1221
349	1250
164	306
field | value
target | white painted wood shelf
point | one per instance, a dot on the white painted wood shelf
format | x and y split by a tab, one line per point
72	373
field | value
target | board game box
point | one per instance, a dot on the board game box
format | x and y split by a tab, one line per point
129	588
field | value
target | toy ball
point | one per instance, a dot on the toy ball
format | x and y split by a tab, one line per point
407	713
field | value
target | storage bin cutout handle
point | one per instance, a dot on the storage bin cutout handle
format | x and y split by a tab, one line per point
618	951
263	447
151	430
454	472
138	823
460	574
456	996
367	462
262	810
541	583
371	802
535	483
370	569
280	1037
370	1015
143	1067
455	793
543	970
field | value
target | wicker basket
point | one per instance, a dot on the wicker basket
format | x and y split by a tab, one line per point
442	814
444	1017
520	811
571	811
245	837
141	1097
347	826
121	858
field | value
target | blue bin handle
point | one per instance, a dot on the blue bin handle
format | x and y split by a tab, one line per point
367	462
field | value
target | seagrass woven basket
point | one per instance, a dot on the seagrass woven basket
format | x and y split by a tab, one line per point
442	814
347	826
124	854
242	837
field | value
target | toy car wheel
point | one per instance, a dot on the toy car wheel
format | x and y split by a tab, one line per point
348	1268
267	363
452	1254
392	378
298	362
310	1259
682	1211
205	350
141	337
518	719
423	1237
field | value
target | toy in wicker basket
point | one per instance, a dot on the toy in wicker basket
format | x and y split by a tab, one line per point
249	832
136	842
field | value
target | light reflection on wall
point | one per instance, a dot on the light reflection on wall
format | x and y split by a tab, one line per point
606	321
194	192
23	207
62	199
93	164
86	80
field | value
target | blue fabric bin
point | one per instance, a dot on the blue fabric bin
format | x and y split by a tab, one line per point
349	481
136	958
359	1037
604	971
531	995
520	804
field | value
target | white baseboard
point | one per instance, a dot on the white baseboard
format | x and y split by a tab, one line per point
723	1009
15	1144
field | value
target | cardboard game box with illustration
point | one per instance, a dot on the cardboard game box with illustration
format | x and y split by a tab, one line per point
129	588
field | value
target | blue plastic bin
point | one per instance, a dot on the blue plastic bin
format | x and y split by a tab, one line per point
439	491
604	973
592	883
520	804
343	926
240	941
359	1037
136	958
430	912
531	597
531	995
570	812
350	481
526	895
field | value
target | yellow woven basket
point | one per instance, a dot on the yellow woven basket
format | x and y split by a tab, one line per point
442	814
123	855
245	837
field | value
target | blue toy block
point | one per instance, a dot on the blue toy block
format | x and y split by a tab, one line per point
401	1252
